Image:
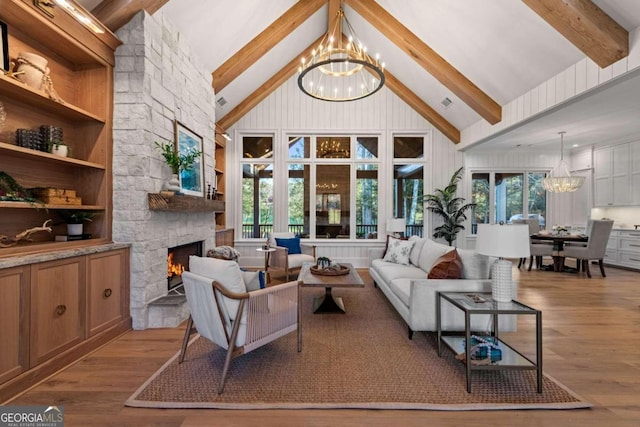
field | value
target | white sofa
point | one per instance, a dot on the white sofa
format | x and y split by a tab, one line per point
413	295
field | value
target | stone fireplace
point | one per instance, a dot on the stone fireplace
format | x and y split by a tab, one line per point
178	262
157	81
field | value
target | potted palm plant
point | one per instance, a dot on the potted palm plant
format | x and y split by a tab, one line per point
450	208
177	162
75	220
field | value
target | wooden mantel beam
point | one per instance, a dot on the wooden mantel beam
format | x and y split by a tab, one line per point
115	13
587	26
428	59
265	90
265	41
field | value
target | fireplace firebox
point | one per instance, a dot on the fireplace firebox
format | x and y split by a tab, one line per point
178	261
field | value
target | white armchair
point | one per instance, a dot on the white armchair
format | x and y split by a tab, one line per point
282	259
236	320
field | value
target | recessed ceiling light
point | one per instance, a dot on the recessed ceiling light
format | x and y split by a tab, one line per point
221	101
446	102
576	145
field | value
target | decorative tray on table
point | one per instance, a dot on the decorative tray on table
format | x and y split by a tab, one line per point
331	270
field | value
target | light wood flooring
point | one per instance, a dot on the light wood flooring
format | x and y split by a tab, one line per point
591	344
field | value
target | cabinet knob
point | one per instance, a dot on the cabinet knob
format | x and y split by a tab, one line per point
107	292
61	309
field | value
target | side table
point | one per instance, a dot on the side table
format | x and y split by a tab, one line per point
267	253
481	303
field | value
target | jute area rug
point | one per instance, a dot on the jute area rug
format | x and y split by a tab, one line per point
361	359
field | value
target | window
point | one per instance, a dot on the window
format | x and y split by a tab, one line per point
408	182
257	186
298	186
366	201
333	185
505	196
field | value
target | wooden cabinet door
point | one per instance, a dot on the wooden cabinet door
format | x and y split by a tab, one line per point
57	314
14	327
107	289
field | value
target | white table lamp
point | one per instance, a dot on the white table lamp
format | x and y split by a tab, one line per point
502	241
397	226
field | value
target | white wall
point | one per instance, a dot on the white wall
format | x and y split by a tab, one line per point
288	110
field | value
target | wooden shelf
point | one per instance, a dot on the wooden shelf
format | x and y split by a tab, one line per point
37	99
27	153
27	205
183	203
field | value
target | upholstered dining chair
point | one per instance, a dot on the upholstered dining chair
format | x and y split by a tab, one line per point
239	321
537	248
290	253
598	232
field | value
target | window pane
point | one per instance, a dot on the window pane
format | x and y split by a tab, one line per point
333	147
537	197
508	196
408	197
408	147
479	196
367	201
366	147
257	200
299	199
299	147
257	147
332	201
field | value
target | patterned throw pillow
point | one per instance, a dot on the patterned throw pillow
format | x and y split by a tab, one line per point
398	250
448	266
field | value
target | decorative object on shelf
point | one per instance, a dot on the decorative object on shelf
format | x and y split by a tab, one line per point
340	69
485	350
51	136
501	240
59	148
397	226
177	162
3	116
6	241
449	207
11	191
560	179
75	220
56	196
30	138
188	143
4	47
32	70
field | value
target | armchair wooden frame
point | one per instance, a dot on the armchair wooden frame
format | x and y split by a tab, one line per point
270	313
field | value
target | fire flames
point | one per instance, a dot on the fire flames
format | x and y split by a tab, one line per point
173	269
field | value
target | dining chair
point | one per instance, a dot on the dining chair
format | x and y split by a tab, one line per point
537	248
234	319
598	233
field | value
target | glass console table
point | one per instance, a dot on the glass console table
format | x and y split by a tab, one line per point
481	303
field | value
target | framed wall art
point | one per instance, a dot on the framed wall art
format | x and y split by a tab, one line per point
187	141
4	47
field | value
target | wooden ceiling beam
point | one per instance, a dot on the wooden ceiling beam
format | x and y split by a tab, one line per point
265	41
115	13
587	26
428	59
265	90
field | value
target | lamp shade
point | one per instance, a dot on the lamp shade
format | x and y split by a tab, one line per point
503	241
396	225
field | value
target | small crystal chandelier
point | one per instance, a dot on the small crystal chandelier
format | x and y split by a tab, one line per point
340	69
560	179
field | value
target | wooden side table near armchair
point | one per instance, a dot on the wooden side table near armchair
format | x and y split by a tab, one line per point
289	253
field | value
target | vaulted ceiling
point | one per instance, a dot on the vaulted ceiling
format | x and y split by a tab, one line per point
478	54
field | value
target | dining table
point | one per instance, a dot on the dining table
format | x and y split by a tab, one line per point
559	240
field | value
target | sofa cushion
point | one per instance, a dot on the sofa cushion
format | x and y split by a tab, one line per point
448	266
398	251
402	289
474	265
430	252
414	256
389	271
293	244
227	273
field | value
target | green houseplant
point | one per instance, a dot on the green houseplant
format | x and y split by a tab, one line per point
450	208
177	162
75	220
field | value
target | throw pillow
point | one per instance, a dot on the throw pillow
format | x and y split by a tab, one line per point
398	250
414	257
386	245
292	244
430	253
448	266
227	273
